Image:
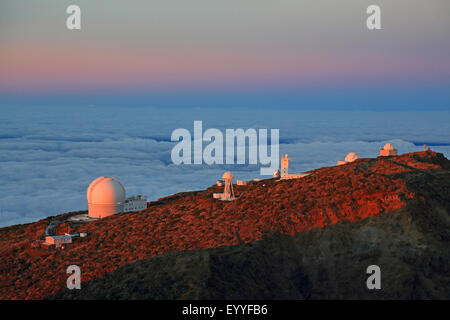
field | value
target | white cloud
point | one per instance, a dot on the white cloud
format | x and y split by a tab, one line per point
48	156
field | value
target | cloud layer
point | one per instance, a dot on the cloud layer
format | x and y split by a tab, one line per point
49	155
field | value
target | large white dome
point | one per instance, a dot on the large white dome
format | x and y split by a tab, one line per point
351	156
105	196
105	190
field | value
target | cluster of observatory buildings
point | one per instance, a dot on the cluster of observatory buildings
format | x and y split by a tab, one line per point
106	196
227	182
387	150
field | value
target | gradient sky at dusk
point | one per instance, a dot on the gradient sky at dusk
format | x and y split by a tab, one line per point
288	53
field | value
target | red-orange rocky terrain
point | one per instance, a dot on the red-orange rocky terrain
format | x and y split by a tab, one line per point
194	220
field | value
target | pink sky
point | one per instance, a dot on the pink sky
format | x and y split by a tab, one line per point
38	68
202	45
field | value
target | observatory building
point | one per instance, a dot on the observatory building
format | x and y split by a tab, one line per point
106	196
135	203
350	157
58	241
241	182
388	150
228	192
284	169
276	174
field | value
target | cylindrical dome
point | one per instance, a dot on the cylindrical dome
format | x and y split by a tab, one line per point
388	146
105	196
227	176
351	156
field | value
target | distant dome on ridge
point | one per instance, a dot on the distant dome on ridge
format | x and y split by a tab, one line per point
388	150
388	146
351	156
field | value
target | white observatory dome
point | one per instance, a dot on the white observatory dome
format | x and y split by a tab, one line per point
227	176
105	196
351	156
388	146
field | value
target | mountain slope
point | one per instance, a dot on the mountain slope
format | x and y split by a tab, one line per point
327	263
332	225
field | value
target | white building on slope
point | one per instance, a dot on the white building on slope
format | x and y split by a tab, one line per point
106	196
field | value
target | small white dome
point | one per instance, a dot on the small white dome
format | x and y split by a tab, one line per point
351	156
388	146
105	191
227	175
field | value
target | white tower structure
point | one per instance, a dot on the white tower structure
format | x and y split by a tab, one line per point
105	196
285	169
228	193
285	166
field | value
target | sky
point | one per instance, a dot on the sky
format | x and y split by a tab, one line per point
262	53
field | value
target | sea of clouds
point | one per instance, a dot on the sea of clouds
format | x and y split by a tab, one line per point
49	155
